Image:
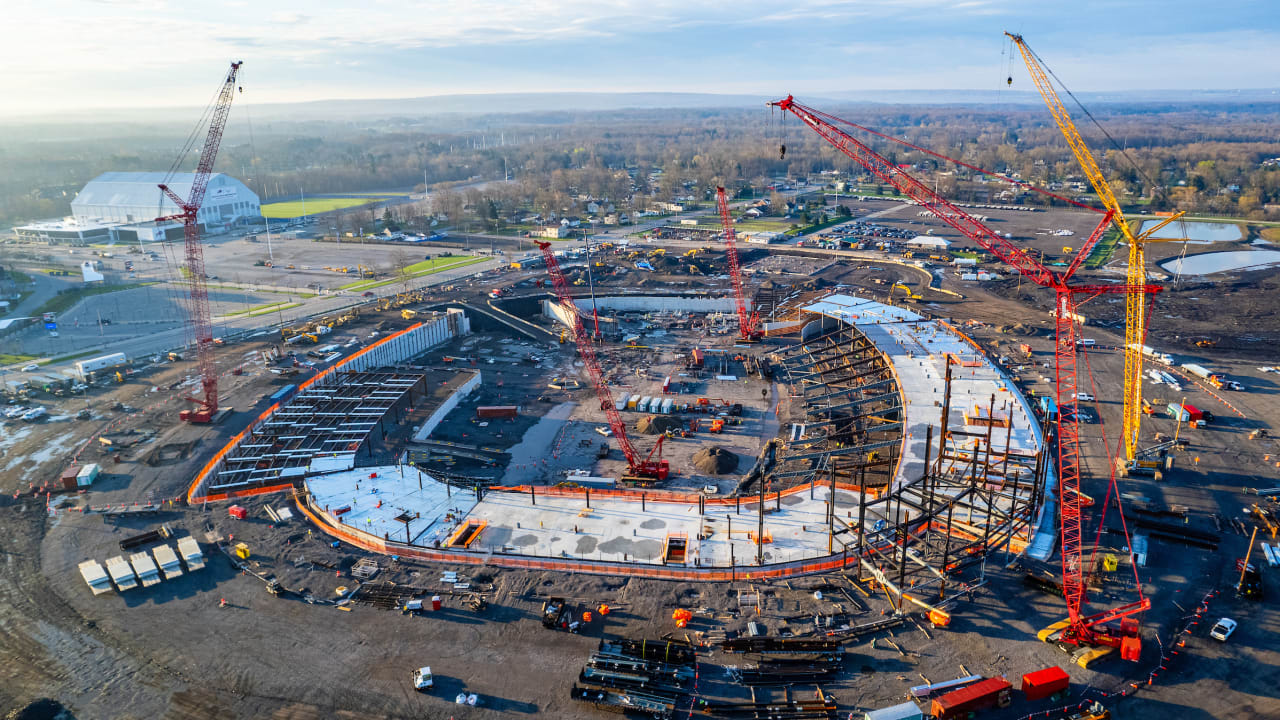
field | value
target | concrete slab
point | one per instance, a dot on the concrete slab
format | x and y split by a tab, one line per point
371	498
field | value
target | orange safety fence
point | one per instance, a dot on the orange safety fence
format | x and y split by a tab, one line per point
668	496
208	468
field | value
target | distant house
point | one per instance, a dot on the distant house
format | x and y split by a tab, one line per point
571	221
617	219
670	206
753	213
554	231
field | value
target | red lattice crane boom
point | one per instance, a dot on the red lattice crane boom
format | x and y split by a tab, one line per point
198	293
645	467
748	322
1077	629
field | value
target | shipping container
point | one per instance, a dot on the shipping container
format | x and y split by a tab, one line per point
666	406
632	402
88	474
497	411
666	385
988	693
643	405
621	402
1043	683
68	478
284	393
1049	407
1184	413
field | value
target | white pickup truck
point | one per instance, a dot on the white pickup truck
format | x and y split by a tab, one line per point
422	681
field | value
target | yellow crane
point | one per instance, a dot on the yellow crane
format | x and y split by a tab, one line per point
1135	329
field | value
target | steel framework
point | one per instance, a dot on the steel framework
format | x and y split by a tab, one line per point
1080	629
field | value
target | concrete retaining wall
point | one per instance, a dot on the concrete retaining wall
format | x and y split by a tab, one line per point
644	303
448	405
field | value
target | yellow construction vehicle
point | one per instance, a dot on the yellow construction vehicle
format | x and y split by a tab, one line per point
408	314
119	377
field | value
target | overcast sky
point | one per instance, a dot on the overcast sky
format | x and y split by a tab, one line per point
77	54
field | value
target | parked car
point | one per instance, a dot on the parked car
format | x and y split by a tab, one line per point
368	293
1223	629
604	431
422	680
30	368
1084	397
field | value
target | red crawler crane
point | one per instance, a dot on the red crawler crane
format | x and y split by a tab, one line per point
1077	629
748	323
641	468
198	294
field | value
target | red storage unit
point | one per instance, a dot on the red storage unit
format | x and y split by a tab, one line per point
1043	683
978	696
68	477
497	411
238	512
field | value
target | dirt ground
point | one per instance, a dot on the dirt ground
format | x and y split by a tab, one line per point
172	652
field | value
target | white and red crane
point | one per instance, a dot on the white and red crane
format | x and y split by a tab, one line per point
748	322
1078	629
197	292
647	467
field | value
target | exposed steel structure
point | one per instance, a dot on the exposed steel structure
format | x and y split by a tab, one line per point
646	467
748	322
197	292
1135	306
1078	629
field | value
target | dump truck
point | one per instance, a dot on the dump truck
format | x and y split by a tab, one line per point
554	612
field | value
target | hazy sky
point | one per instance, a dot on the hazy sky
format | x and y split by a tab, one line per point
76	54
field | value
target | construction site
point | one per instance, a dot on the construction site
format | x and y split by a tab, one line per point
674	477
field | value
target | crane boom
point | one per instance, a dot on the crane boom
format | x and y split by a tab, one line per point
197	292
748	323
1079	629
645	467
1135	305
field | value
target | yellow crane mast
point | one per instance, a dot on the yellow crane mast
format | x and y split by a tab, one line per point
1135	330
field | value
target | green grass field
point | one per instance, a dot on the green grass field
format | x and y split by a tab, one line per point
7	359
295	208
426	267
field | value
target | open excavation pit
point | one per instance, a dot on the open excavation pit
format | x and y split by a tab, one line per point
884	425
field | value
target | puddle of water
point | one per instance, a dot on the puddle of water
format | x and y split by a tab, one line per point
1210	263
1197	232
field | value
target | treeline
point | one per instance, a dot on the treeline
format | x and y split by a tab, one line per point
1200	159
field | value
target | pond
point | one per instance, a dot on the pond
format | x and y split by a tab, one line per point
1210	263
1197	232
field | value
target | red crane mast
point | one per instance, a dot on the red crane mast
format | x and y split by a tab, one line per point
198	293
748	322
640	467
1078	629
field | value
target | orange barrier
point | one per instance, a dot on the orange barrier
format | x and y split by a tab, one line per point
669	496
207	470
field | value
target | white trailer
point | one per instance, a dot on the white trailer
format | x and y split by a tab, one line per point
167	559
191	554
621	403
1199	371
87	475
121	573
145	568
85	368
98	580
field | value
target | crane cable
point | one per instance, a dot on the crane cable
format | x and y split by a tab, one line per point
940	156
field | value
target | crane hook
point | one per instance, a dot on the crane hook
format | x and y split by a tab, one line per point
1010	80
782	152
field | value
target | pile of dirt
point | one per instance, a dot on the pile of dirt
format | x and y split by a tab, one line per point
715	460
1018	329
658	424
